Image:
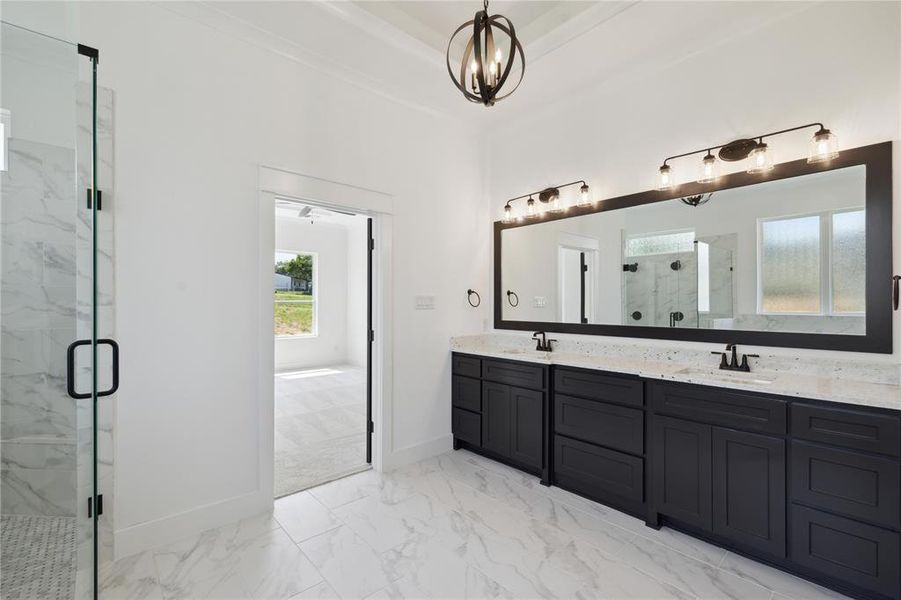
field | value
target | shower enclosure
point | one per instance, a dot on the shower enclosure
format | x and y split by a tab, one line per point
56	366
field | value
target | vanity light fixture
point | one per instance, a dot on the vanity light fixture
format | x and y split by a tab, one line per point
696	201
709	169
823	147
548	200
484	69
665	179
761	159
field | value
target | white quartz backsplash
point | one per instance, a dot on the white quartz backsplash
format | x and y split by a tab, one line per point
862	382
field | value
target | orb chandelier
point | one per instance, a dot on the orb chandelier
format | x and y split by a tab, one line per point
487	62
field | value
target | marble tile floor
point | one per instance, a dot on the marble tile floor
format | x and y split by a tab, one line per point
320	426
454	526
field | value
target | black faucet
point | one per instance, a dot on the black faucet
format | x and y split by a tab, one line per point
544	344
731	364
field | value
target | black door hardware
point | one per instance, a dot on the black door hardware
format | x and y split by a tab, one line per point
675	317
583	268
631	267
99	506
370	333
675	265
637	315
730	362
70	368
91	199
512	298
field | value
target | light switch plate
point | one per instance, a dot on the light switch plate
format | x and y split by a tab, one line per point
539	302
425	302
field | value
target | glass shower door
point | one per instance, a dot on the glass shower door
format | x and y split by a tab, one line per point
47	301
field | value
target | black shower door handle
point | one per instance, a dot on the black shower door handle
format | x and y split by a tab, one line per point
70	368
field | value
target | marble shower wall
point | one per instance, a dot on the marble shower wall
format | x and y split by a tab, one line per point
656	289
37	322
45	304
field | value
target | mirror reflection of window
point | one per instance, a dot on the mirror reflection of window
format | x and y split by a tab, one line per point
295	294
813	264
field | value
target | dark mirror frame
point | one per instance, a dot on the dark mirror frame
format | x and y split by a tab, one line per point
878	338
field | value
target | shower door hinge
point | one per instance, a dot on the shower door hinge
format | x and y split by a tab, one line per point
99	199
99	506
371	427
371	335
371	244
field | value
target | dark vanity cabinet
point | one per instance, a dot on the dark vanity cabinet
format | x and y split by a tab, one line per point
500	409
718	463
598	425
808	486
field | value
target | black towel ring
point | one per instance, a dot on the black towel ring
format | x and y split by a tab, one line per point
512	298
469	294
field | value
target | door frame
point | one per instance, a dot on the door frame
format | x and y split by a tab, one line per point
280	183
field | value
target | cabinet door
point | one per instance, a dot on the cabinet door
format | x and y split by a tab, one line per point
749	489
496	418
527	426
682	470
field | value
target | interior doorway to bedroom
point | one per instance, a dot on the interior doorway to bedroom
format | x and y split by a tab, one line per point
322	290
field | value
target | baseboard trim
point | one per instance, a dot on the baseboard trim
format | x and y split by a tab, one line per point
152	534
411	454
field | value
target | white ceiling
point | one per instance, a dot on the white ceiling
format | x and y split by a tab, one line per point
432	22
396	49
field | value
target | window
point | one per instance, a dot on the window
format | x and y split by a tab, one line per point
660	243
812	264
295	294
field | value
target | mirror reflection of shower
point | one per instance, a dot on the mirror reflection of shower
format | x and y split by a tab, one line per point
672	279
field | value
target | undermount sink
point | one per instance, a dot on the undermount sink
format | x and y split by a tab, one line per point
728	376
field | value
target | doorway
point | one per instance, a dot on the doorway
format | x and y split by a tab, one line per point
322	290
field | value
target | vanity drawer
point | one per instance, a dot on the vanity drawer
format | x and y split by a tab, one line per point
466	393
609	425
467	426
597	471
717	406
518	374
598	386
847	482
847	428
840	548
467	365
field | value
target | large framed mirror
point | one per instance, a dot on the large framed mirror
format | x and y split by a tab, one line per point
797	257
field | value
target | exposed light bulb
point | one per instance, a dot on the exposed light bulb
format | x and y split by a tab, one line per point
474	67
584	197
708	172
530	208
823	146
665	178
492	67
498	55
508	213
761	159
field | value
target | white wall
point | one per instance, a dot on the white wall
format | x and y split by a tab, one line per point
197	112
836	62
330	244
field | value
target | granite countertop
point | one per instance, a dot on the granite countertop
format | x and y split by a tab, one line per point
870	387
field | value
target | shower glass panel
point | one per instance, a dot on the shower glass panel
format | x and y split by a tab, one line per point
47	301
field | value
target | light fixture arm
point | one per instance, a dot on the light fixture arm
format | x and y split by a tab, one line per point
710	149
557	187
